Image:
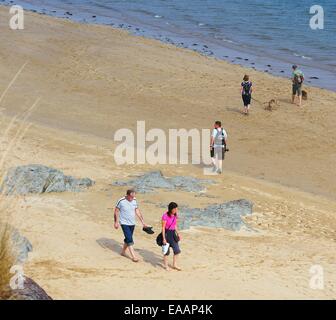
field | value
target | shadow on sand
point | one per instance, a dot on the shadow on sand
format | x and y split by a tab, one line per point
236	110
285	101
147	256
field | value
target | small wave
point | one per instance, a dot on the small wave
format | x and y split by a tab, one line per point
286	50
157	16
302	56
261	36
227	40
201	24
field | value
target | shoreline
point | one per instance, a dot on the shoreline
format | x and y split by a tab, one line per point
231	52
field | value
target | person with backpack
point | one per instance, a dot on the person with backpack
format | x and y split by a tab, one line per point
170	235
297	79
218	142
246	91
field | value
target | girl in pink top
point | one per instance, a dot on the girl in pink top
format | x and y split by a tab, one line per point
170	234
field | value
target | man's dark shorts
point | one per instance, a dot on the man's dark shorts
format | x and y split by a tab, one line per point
297	89
128	233
172	242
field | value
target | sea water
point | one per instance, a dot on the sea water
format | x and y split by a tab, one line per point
267	35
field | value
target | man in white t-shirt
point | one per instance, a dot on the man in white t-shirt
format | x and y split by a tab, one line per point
124	216
218	146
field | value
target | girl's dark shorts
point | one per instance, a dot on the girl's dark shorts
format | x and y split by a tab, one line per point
246	99
172	242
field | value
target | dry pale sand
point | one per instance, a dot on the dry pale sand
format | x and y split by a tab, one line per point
94	80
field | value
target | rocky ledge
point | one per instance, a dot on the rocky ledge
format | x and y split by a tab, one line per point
14	249
150	181
227	215
37	178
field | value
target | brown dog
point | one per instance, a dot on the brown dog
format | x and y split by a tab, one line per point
304	95
271	105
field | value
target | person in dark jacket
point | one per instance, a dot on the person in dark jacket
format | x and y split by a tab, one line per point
246	91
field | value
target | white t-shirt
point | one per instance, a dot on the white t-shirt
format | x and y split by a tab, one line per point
218	135
127	211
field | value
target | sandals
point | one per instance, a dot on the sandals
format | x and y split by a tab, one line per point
148	230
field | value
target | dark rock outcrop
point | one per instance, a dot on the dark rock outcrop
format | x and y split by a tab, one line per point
17	246
155	180
147	182
41	179
20	246
226	215
31	291
14	249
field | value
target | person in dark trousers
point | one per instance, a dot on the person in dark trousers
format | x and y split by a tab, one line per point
171	236
124	216
246	91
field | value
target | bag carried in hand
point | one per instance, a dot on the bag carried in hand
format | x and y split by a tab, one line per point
159	238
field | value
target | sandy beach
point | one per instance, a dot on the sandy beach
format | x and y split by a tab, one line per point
93	80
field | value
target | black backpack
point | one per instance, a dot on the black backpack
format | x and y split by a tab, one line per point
247	88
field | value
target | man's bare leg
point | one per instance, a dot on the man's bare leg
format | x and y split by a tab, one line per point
123	251
133	255
220	166
213	161
293	98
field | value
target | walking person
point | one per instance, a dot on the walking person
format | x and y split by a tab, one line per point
124	216
218	142
246	91
171	236
297	80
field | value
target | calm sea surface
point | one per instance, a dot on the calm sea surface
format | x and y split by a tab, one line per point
269	35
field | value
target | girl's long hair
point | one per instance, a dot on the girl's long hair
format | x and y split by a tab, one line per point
171	207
